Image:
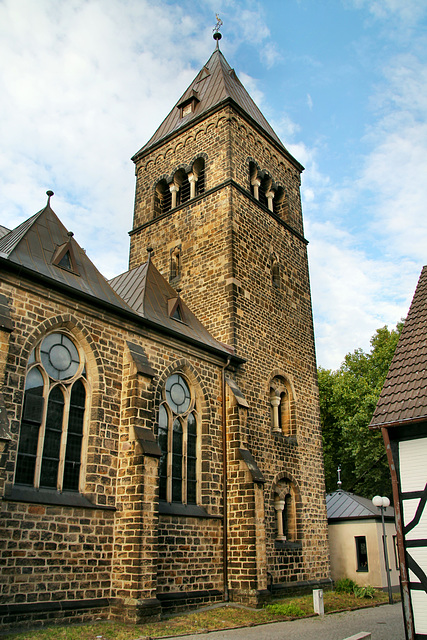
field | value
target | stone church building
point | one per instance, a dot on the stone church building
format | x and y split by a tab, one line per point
160	442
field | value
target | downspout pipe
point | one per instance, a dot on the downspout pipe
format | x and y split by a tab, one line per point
224	485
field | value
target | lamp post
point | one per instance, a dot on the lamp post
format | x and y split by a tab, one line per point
383	503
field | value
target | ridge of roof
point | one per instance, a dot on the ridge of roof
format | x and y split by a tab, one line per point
215	83
11	239
148	294
342	504
403	398
3	231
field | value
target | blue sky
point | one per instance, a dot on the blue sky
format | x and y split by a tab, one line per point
84	84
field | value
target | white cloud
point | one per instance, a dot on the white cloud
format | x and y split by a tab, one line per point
408	11
85	83
81	86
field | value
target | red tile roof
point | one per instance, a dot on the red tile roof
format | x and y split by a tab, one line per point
403	398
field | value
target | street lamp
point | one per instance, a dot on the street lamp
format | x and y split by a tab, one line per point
383	503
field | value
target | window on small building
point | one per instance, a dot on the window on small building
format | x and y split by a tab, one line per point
361	553
177	433
53	416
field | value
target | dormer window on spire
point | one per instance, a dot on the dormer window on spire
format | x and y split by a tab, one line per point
64	256
189	104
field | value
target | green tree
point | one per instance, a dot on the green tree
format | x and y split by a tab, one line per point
348	398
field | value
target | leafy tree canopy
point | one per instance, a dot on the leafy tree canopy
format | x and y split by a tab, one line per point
348	398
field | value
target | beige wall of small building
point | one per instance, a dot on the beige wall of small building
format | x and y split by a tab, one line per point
344	555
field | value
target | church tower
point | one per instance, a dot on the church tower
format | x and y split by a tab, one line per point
218	201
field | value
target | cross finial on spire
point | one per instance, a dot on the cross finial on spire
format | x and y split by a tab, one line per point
217	36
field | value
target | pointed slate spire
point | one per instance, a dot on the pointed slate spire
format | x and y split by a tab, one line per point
215	85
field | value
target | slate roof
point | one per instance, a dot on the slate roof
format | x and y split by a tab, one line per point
141	293
33	245
341	505
403	398
213	86
147	293
3	231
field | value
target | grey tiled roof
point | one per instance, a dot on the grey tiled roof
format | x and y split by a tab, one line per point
33	245
36	243
149	295
403	398
3	231
343	505
214	84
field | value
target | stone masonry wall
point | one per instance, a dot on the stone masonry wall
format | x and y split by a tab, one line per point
51	553
227	240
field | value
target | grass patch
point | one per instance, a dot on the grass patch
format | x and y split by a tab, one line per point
226	617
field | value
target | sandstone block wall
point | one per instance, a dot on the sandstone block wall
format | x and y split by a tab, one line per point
116	551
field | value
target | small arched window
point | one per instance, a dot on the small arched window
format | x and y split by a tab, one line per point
53	416
281	407
181	181
281	204
162	198
275	272
178	434
175	266
199	173
285	506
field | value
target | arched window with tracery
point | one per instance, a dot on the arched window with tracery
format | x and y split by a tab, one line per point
178	435
53	416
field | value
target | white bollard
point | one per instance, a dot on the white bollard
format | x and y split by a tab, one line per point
318	602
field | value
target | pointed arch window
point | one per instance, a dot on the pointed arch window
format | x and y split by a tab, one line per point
178	440
53	416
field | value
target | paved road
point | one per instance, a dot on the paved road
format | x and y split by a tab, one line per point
384	623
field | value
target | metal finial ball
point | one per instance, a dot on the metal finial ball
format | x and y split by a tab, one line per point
217	35
49	193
